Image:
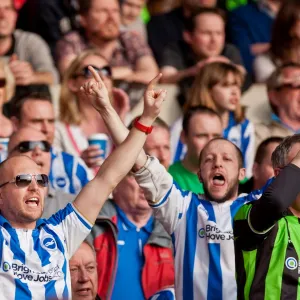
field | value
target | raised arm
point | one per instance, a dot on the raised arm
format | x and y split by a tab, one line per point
92	197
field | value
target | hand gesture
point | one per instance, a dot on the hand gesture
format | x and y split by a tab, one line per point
22	71
95	91
153	100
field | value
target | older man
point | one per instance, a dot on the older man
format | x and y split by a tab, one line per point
29	56
36	265
284	97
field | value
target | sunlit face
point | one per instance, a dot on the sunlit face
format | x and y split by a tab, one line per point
287	98
264	171
208	37
83	269
39	114
158	144
41	158
8	18
220	171
202	128
103	20
21	206
227	94
128	191
131	10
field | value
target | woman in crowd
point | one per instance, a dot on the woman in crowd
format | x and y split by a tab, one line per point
285	43
78	120
218	86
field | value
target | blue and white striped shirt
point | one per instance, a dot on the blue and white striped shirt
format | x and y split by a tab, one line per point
34	264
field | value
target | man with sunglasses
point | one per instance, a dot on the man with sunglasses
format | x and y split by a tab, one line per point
35	252
31	142
284	98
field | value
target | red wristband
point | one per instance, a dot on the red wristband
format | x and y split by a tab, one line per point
142	127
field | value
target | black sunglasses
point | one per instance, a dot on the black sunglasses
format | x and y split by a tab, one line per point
27	146
86	73
2	82
24	180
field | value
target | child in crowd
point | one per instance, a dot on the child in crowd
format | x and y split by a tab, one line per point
218	86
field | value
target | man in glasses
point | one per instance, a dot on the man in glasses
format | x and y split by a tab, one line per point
35	252
35	109
284	97
33	143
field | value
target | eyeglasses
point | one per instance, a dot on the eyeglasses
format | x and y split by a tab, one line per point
86	73
24	180
2	82
27	146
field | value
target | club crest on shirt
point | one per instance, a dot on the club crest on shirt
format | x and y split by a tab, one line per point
48	243
61	182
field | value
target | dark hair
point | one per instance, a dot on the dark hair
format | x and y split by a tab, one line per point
22	94
282	41
190	23
84	6
237	149
261	151
203	110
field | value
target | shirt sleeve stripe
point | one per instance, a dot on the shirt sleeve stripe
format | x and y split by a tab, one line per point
161	202
82	219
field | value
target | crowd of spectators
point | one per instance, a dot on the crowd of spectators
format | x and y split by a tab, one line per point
203	207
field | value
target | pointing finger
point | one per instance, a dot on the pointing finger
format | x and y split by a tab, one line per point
153	82
95	75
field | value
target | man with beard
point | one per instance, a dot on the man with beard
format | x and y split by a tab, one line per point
29	56
201	227
126	52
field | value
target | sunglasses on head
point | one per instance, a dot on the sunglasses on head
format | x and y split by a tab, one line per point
24	180
103	71
27	146
2	82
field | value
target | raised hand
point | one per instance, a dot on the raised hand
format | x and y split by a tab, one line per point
153	99
96	91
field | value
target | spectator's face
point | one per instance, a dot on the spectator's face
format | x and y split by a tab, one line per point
208	37
287	98
264	171
219	171
131	10
103	20
128	191
95	61
158	144
83	269
202	128
8	18
21	206
227	94
38	114
37	152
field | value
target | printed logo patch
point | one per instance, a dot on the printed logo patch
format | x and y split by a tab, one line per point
6	266
48	243
291	263
61	182
201	233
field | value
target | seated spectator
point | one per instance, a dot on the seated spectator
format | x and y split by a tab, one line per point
33	143
167	28
44	247
250	27
49	19
127	53
68	173
199	126
285	42
158	143
266	232
83	269
135	240
218	86
77	118
204	41
27	54
130	16
262	168
284	95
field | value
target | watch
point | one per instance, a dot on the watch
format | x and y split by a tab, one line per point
142	127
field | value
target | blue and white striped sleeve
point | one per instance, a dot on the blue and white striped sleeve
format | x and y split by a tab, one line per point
74	226
248	146
168	201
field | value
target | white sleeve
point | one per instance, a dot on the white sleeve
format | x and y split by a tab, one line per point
263	67
168	201
75	227
249	135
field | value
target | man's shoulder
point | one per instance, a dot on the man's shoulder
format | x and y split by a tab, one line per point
246	11
26	37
